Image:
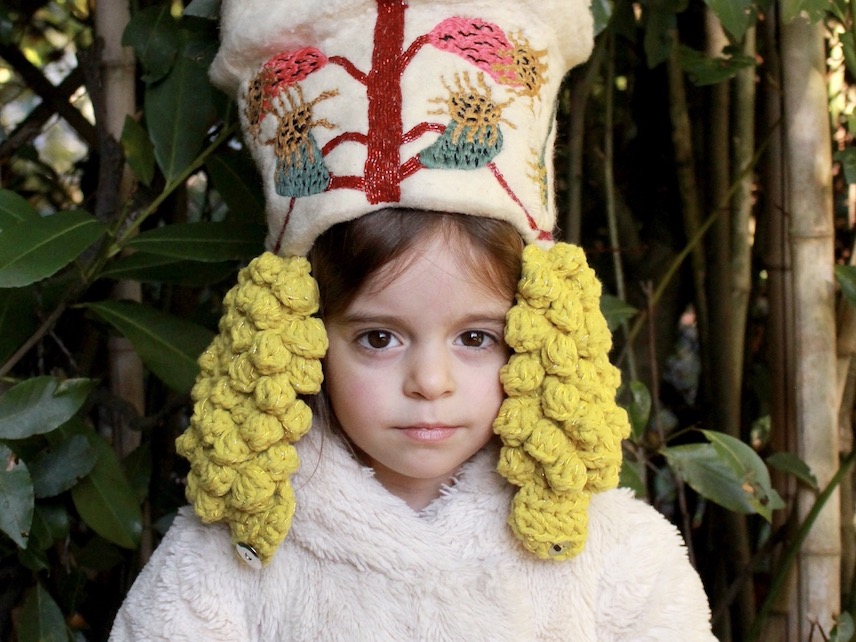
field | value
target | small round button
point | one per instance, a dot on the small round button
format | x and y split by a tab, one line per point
557	549
249	555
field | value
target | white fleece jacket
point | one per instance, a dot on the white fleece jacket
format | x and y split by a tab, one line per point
359	564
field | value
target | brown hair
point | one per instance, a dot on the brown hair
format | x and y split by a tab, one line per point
349	254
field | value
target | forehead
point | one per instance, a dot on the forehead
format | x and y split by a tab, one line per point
446	267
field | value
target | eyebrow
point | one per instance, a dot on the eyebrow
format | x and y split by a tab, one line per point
476	318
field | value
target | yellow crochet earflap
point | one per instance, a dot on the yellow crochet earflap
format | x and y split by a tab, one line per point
560	425
246	412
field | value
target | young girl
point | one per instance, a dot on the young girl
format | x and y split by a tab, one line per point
454	478
401	527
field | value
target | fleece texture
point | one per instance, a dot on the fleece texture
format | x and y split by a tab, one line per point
361	565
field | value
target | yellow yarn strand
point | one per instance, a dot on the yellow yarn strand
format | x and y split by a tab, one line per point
560	425
247	413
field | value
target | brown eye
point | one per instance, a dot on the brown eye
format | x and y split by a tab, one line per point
377	339
474	338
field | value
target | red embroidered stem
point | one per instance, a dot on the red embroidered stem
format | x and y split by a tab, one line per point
411	167
414	48
383	88
542	234
348	66
347	182
278	243
354	137
422	128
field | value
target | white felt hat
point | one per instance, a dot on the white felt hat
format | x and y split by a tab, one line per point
352	106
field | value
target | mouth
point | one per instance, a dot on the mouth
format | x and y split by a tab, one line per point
428	433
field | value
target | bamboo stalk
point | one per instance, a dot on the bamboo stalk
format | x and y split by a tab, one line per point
687	182
809	201
581	84
741	234
782	624
119	100
609	193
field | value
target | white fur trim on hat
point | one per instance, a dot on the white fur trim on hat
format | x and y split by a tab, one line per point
351	106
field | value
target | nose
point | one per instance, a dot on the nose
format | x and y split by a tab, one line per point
429	374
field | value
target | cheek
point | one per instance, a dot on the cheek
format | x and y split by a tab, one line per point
350	391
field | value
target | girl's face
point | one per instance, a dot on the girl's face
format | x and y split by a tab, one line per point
412	371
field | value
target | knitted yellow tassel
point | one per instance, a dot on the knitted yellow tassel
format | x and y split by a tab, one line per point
247	413
560	426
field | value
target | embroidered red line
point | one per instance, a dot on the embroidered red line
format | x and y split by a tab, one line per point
348	66
422	128
278	243
347	182
532	224
354	137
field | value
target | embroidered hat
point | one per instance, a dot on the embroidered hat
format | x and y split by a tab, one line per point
351	107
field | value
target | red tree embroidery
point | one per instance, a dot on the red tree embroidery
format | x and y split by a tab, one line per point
470	141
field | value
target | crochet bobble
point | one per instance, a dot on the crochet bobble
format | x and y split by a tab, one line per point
560	426
246	412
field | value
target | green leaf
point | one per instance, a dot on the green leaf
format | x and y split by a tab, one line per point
615	311
639	409
137	466
16	497
153	268
236	178
138	150
660	27
50	524
847	158
97	555
847	45
706	70
602	12
735	15
41	404
843	630
700	466
792	465
41	618
846	275
750	469
631	477
58	468
814	10
18	320
156	38
180	109
210	242
105	499
14	209
204	9
38	248
168	345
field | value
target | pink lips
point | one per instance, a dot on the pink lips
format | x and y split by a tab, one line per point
429	433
